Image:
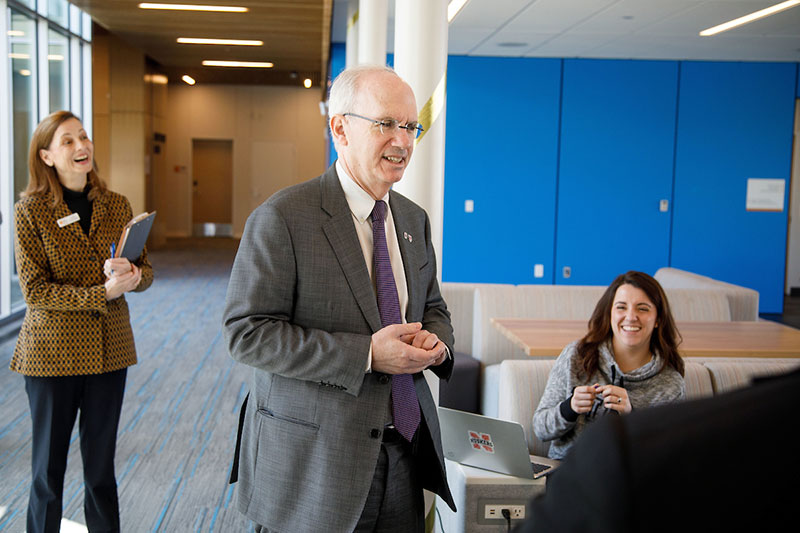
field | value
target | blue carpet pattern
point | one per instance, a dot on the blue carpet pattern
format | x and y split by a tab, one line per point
178	425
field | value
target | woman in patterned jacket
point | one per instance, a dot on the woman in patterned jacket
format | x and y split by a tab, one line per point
76	341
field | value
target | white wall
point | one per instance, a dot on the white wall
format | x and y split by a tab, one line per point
279	138
793	261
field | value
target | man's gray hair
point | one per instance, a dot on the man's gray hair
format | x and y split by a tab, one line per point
344	91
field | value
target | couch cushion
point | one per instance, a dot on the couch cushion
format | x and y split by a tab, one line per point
460	300
698	381
462	390
731	374
490	346
699	305
521	384
742	301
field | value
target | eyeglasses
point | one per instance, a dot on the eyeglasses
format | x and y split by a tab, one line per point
390	125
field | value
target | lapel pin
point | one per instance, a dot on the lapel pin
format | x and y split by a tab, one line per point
408	237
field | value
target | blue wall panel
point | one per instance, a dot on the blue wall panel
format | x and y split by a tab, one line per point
338	62
734	123
501	152
617	151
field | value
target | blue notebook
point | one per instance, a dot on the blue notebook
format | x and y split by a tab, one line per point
134	235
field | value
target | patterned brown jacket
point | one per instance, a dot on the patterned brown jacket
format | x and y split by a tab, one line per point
69	328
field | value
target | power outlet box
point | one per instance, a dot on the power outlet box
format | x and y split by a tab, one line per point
517	512
490	510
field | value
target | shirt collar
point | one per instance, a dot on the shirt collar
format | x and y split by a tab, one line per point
360	201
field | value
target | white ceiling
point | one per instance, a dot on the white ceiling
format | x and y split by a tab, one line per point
618	29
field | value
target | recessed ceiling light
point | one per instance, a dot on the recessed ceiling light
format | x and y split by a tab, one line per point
228	42
193	7
158	79
15	33
188	79
245	64
307	83
55	57
18	55
24	72
749	18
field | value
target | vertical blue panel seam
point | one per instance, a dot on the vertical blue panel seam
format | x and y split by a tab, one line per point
674	161
558	169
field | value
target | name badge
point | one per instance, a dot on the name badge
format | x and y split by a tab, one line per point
66	221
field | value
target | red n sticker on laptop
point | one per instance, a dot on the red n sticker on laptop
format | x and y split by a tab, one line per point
481	441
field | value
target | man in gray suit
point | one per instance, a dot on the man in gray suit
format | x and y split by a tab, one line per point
323	440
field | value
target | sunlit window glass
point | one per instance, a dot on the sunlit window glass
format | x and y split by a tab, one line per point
86	26
58	69
58	12
22	52
74	20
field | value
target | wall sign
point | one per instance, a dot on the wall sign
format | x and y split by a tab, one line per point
765	194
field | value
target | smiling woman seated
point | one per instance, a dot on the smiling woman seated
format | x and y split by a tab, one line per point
628	360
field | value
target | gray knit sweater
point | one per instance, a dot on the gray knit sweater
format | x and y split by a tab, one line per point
554	419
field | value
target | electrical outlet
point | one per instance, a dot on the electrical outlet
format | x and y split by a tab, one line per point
495	511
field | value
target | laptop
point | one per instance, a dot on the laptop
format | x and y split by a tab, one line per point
491	444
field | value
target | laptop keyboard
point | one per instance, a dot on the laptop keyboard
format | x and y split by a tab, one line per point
539	467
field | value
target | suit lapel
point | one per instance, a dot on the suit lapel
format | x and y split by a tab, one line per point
342	237
99	209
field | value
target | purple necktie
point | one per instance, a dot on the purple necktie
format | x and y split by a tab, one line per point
405	406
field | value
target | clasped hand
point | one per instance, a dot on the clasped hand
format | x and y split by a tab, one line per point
406	349
613	397
121	276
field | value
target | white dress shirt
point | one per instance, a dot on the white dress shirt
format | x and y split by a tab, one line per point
361	204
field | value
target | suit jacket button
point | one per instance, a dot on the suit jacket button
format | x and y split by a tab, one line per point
384	379
375	433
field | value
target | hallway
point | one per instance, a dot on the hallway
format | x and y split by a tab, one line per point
178	426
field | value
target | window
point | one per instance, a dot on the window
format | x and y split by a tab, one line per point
58	68
58	33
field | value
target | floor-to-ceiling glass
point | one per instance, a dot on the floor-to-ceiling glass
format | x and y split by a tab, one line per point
22	52
34	90
58	69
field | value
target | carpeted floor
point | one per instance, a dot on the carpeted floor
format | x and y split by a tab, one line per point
179	417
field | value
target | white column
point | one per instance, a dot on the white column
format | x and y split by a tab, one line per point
351	44
372	21
420	57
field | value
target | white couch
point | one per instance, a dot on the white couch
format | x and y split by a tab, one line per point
521	384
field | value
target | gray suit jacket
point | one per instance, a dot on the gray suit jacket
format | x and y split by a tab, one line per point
301	310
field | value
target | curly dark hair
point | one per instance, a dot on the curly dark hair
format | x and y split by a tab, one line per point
664	340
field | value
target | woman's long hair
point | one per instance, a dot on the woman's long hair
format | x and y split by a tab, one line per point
665	337
43	179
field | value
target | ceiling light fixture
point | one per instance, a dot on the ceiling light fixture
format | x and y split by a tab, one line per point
18	55
307	83
15	33
749	18
24	72
454	7
229	42
193	7
55	57
188	79
245	64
